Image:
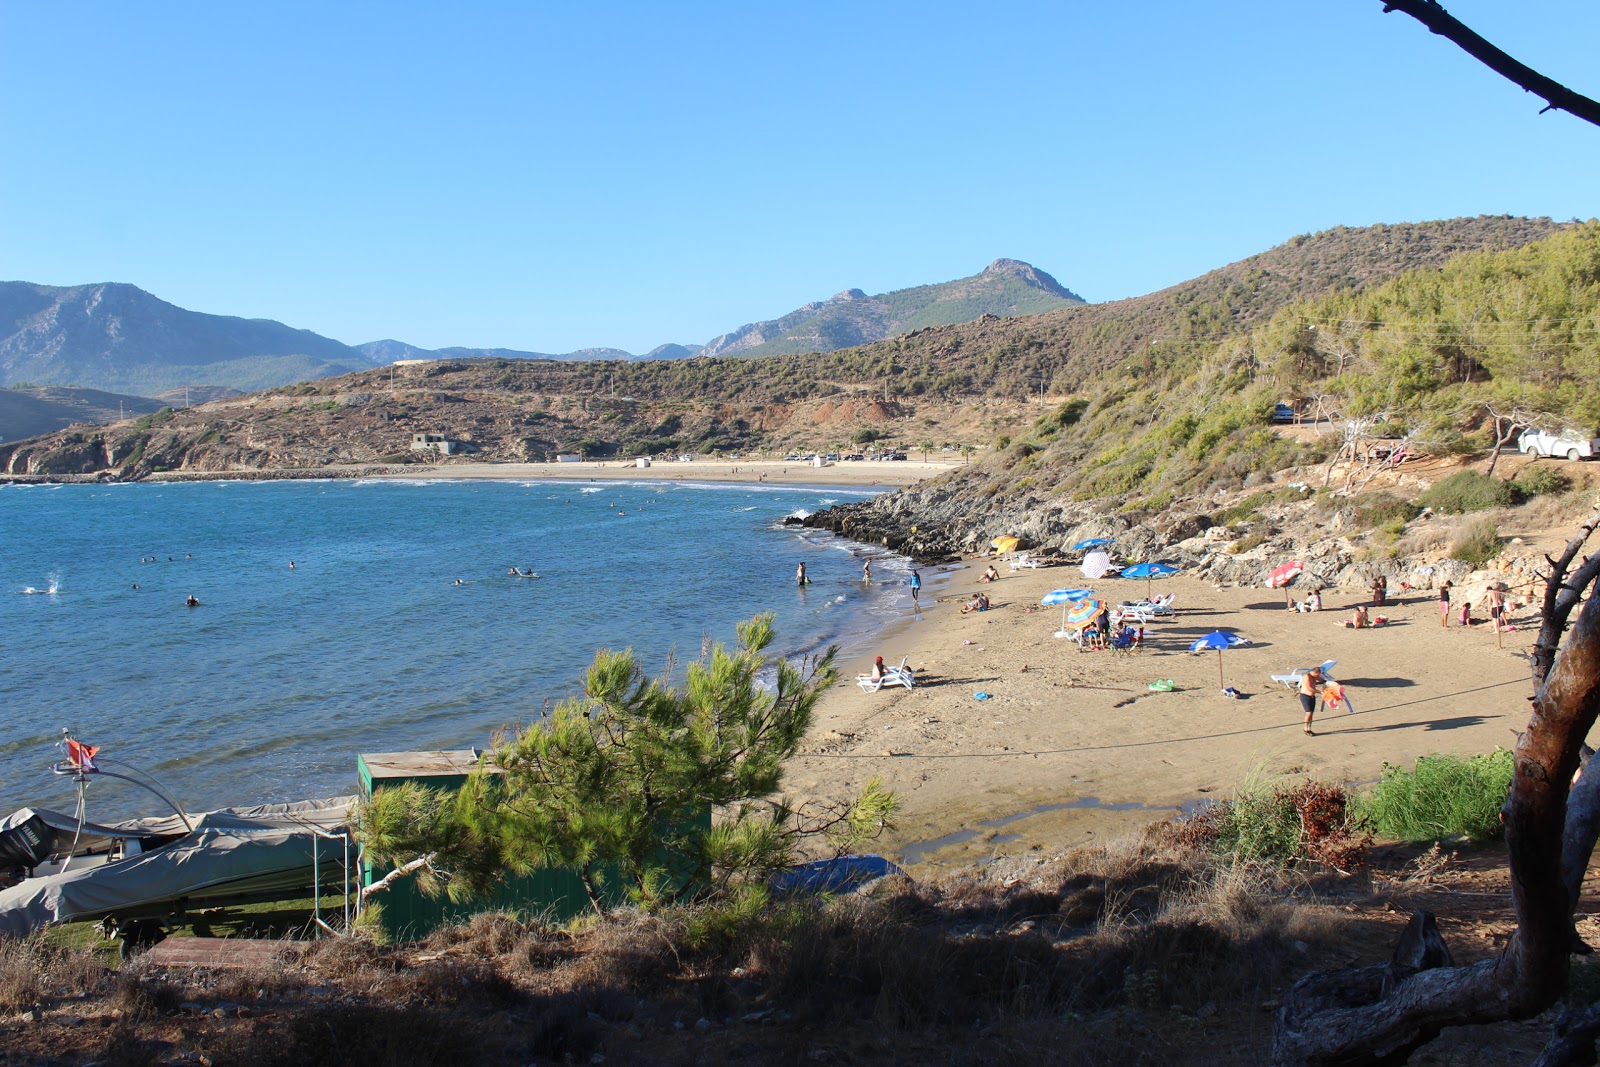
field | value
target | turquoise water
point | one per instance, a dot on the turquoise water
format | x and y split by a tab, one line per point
269	689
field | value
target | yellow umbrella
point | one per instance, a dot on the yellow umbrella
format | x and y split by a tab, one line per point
1005	544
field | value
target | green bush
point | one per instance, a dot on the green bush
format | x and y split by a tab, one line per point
1444	796
1381	509
1286	823
1478	543
1540	480
1466	491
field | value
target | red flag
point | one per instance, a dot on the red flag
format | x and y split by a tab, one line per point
81	756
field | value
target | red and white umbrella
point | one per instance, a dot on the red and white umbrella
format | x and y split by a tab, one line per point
1283	575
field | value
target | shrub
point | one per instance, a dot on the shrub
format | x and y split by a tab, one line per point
1381	509
1285	824
1539	480
1443	796
1477	543
1466	491
1247	542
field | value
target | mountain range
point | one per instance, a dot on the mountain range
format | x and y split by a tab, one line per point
116	337
1113	366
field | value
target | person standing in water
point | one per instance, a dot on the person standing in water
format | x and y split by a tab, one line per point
866	570
800	575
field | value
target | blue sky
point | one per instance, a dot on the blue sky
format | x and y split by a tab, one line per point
549	177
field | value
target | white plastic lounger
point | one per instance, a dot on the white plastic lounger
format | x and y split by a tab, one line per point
1292	679
901	675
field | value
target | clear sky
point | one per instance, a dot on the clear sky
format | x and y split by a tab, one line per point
551	176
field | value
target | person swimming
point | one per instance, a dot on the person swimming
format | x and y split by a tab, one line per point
192	602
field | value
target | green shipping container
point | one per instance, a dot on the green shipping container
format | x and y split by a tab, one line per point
554	894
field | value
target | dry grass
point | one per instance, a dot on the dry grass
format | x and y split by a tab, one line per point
1110	954
31	971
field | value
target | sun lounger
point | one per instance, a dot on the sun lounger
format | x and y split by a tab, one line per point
1292	679
901	675
1022	559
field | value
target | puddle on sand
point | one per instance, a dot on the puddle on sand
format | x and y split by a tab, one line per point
921	850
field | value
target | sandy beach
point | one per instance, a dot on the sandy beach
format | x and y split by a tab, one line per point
1068	746
1072	746
885	474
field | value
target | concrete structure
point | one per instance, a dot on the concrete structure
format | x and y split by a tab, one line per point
434	442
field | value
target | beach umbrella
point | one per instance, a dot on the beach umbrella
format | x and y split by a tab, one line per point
1093	542
1005	544
1219	640
1095	565
1080	614
1148	571
1282	576
1064	597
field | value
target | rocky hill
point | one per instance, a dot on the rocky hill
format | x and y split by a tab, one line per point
974	383
29	411
120	338
1005	288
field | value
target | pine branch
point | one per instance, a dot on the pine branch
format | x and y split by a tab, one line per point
1557	97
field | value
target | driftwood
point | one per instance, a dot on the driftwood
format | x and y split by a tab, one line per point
1377	1015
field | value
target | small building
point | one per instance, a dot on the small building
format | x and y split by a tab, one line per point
642	461
568	457
434	442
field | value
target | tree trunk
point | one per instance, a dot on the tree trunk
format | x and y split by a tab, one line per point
1375	1015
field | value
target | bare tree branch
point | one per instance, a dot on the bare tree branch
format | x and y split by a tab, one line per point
1556	96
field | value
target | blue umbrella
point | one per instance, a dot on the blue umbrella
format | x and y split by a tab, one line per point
1219	640
1148	571
1064	597
1094	542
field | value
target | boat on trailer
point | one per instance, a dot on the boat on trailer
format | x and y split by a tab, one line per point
58	868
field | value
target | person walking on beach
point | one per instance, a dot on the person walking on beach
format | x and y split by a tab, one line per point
1444	604
1497	606
1310	690
916	588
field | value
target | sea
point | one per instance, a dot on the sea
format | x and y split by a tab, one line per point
398	627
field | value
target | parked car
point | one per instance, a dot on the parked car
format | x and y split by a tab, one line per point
1568	443
1283	413
855	455
894	455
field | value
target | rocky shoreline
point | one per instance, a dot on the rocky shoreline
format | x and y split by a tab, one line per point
933	523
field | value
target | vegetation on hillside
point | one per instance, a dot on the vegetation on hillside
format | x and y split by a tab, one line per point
1432	351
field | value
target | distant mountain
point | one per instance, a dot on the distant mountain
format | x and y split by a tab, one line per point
32	410
1005	288
120	338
